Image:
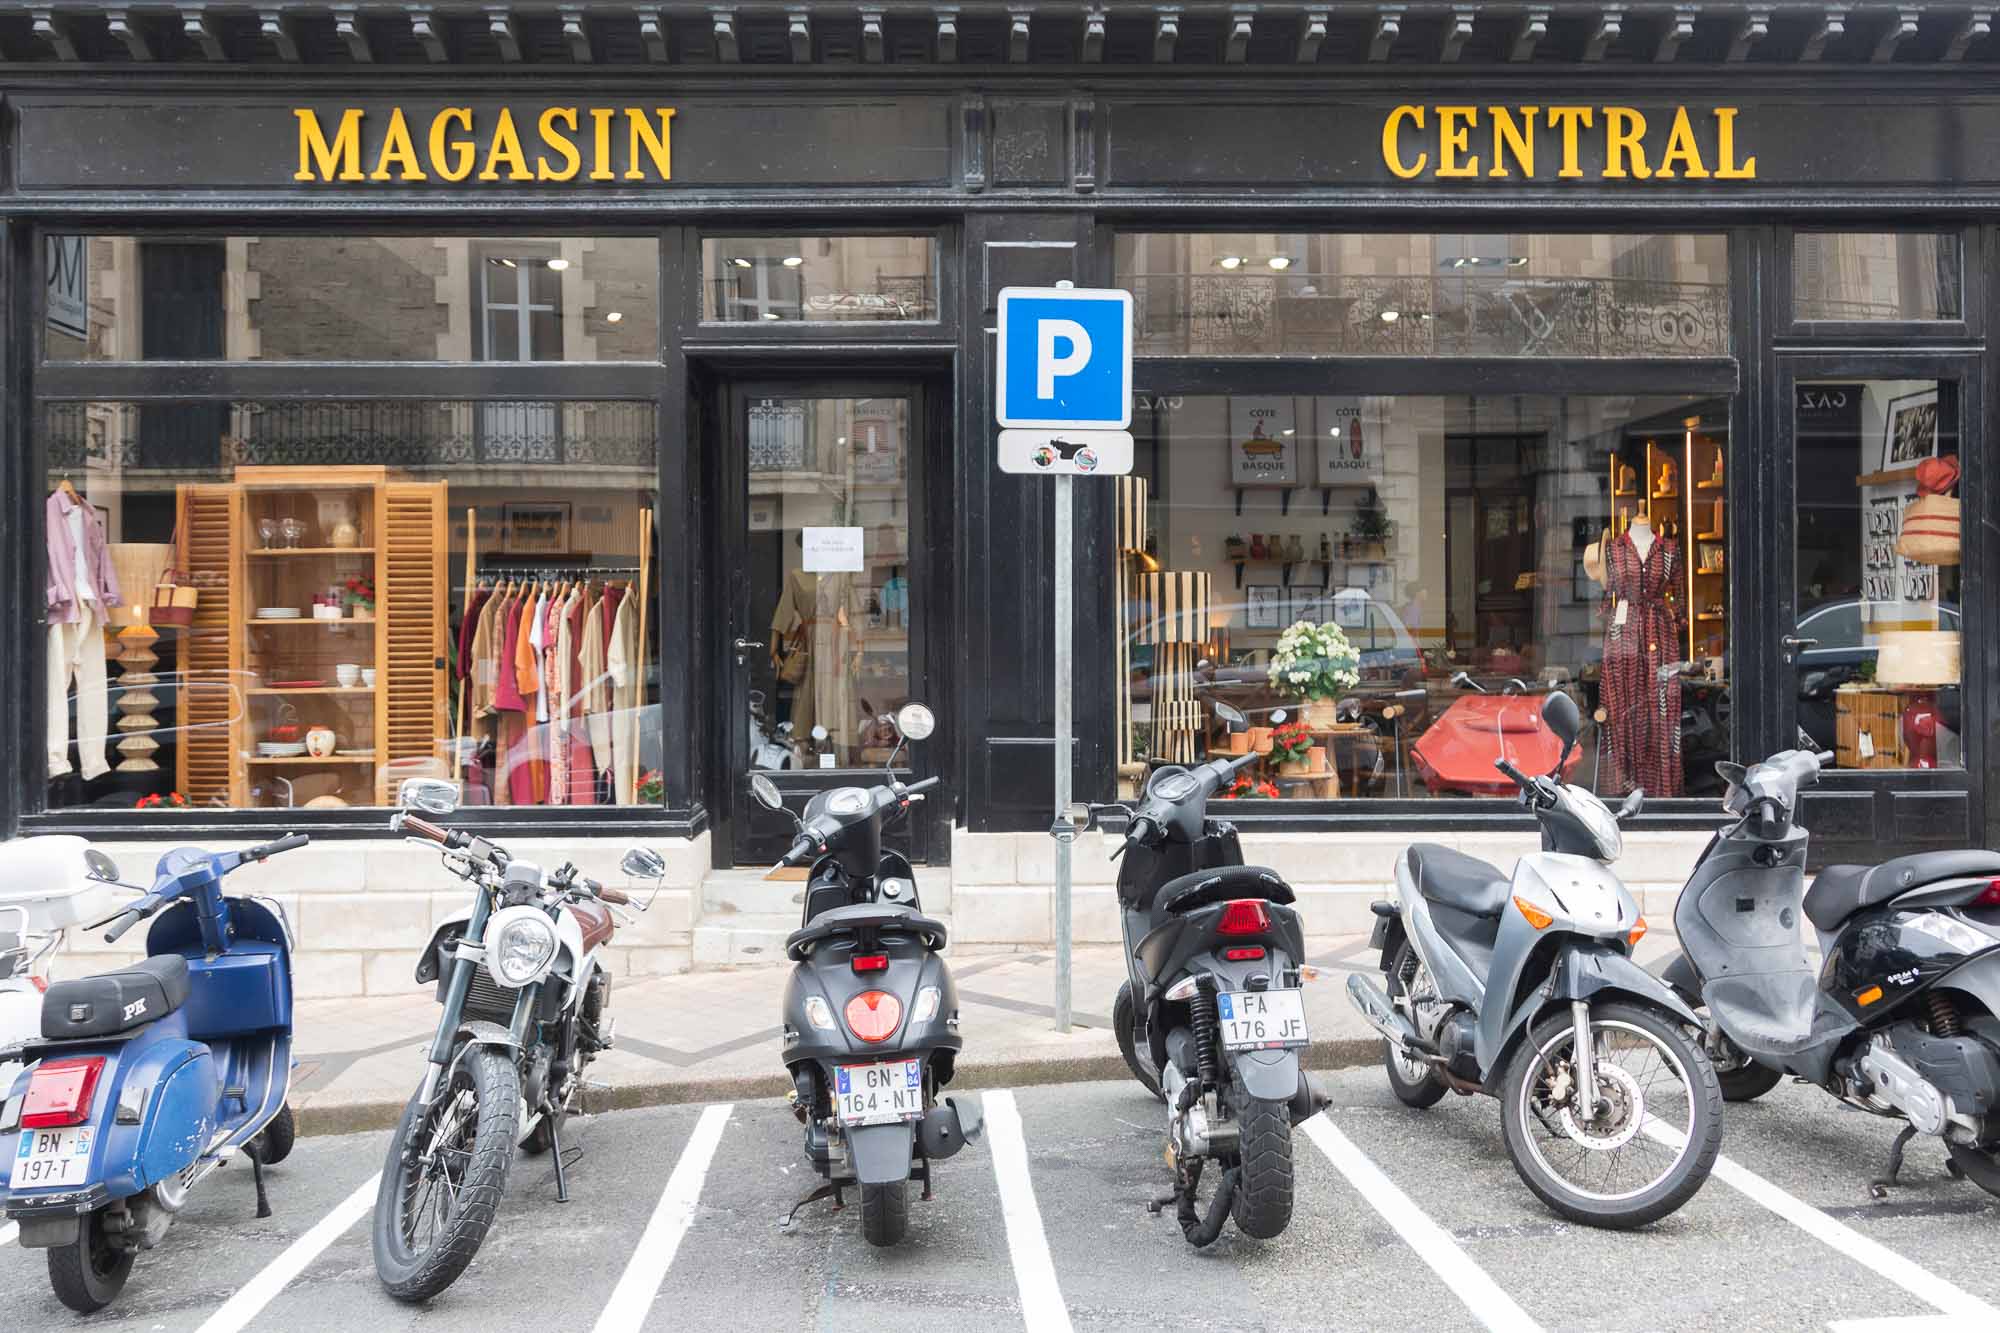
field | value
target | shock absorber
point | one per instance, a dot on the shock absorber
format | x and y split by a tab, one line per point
1944	1017
1207	1032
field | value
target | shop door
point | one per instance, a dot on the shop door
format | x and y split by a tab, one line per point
1876	617
828	609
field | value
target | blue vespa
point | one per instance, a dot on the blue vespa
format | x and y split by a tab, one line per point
145	1079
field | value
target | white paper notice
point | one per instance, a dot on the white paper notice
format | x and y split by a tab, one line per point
833	550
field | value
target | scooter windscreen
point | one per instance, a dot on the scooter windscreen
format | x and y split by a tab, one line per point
1177	800
1769	791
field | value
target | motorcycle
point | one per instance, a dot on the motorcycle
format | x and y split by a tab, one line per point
524	994
1526	989
47	884
870	1011
1210	1018
1903	1017
153	1075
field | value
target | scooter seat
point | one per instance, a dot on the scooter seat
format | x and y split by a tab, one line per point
1838	892
1205	888
1457	880
857	917
115	1001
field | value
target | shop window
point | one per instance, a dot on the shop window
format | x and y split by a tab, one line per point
1876	276
1437	565
1875	657
352	298
330	597
819	279
1390	294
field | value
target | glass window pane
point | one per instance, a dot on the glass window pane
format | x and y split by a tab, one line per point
819	278
1387	294
1878	681
544	336
1875	276
327	546
342	298
1475	554
503	334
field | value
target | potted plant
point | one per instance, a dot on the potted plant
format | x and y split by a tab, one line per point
1316	664
360	593
1291	744
1245	785
172	800
1371	528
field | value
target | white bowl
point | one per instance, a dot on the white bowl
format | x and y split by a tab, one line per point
278	613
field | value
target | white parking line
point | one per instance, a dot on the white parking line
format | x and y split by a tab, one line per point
1042	1308
672	1217
250	1299
1900	1323
1468	1281
1918	1281
8	1232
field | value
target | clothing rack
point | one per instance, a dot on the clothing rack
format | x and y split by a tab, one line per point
551	571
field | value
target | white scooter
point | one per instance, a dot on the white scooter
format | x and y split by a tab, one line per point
46	886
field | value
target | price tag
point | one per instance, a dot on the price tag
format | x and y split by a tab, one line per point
1866	743
1624	609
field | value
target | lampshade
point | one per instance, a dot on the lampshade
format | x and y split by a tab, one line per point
1176	607
1131	513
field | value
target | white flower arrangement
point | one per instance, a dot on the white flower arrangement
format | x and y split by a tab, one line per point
1315	662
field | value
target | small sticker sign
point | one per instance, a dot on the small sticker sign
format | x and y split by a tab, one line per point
833	550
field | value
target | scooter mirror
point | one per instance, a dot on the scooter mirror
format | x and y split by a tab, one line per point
1633	803
915	721
1560	716
1078	815
102	867
644	863
766	792
1233	716
433	796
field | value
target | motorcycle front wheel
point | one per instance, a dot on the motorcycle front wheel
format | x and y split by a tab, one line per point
1125	1022
1651	1143
88	1273
445	1176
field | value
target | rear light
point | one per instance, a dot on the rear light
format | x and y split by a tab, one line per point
874	1015
1537	918
41	984
59	1093
1243	916
1988	896
870	962
1245	954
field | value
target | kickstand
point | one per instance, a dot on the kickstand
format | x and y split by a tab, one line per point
556	1151
828	1190
256	1156
1879	1187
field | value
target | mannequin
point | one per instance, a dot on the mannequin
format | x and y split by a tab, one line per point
818	611
1644	622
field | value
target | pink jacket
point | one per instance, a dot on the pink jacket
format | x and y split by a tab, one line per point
62	559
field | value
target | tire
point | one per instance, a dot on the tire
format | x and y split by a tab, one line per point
483	1100
1263	1205
1429	1089
1748	1081
274	1142
1125	1022
885	1212
88	1273
1524	1128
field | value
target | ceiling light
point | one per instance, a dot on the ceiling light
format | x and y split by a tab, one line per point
1288	432
772	314
1231	261
1333	431
614	316
1517	261
506	263
1280	262
841	440
1391	316
558	263
1472	259
740	262
793	261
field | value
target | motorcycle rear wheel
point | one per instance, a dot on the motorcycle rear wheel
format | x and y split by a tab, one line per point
88	1273
1125	1022
275	1140
885	1212
432	1212
1415	1083
1262	1208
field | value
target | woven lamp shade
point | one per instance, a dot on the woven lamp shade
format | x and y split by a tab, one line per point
1177	605
138	566
1131	513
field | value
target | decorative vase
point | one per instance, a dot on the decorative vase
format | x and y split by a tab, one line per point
1316	758
320	742
1320	714
1260	739
1920	729
1295	548
363	612
1257	549
1239	742
1295	768
1325	548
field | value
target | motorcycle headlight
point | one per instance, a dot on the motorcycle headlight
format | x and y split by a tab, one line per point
520	945
926	1007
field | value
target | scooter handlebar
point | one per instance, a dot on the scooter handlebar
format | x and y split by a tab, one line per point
266	850
123	922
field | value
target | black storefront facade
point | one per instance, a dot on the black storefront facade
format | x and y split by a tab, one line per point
1542	260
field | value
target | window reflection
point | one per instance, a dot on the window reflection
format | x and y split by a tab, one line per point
819	278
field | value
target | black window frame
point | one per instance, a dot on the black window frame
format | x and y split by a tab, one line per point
1789	329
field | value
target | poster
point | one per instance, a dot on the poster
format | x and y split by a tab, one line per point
68	303
1896	593
1349	444
832	550
1263	442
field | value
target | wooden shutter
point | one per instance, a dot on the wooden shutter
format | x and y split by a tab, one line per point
411	604
211	704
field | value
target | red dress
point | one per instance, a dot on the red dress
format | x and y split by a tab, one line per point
1642	712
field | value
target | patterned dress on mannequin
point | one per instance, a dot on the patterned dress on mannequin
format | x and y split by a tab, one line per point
1642	712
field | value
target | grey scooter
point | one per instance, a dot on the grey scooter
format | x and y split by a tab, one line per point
1526	988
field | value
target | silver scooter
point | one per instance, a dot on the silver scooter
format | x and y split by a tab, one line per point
1525	988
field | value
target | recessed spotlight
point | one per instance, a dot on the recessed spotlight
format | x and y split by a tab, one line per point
1517	261
841	440
740	262
1473	260
558	263
506	263
793	261
1288	432
772	314
614	316
1279	262
1333	431
1230	261
1391	316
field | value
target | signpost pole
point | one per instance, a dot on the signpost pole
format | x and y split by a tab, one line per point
1063	830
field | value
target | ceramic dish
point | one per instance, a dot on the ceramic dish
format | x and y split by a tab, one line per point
297	684
355	754
280	749
278	613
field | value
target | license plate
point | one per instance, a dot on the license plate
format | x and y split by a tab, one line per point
53	1157
1261	1020
879	1094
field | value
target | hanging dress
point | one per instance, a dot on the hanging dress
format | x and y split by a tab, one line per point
1644	623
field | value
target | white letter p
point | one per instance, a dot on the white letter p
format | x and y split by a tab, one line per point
1048	366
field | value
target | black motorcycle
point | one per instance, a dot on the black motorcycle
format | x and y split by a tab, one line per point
871	1015
1211	1018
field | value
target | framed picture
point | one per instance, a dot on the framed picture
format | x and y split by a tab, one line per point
1306	602
1910	429
542	528
1264	606
1263	442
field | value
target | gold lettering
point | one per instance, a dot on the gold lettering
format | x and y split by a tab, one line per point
1623	129
1452	138
1725	147
559	141
1682	148
396	147
1569	119
658	146
323	161
506	147
451	160
1508	137
600	143
1392	156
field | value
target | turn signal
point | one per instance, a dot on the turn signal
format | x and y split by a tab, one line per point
1537	918
59	1094
1869	996
1638	933
870	962
1243	916
874	1015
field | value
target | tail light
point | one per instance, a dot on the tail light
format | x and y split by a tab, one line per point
874	1015
1988	896
870	962
1243	916
59	1094
41	984
1244	954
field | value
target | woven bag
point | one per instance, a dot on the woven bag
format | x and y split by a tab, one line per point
1930	533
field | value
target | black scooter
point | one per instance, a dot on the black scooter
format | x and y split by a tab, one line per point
1210	1018
871	1015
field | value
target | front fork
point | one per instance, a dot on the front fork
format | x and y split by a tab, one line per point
465	957
1584	1098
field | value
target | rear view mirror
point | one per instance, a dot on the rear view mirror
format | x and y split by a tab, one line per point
1078	815
433	796
915	722
1560	716
766	792
1233	716
1633	803
102	867
644	863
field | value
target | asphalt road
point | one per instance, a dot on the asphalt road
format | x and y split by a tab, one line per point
1453	1241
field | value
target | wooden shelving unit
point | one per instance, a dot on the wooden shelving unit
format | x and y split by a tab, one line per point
1696	503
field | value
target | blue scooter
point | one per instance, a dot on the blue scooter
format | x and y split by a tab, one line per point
151	1075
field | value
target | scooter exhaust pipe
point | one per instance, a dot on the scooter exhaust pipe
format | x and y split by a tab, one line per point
1373	1004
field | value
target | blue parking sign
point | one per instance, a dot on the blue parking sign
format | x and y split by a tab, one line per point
1065	359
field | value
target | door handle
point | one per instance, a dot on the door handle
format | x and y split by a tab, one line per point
1794	642
745	645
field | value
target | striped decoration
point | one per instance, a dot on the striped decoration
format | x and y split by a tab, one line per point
1176	605
1131	515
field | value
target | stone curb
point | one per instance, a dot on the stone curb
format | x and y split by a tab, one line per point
359	1117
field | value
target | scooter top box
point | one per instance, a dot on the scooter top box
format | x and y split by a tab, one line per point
48	876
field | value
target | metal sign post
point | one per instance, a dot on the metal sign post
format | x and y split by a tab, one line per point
1064	387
